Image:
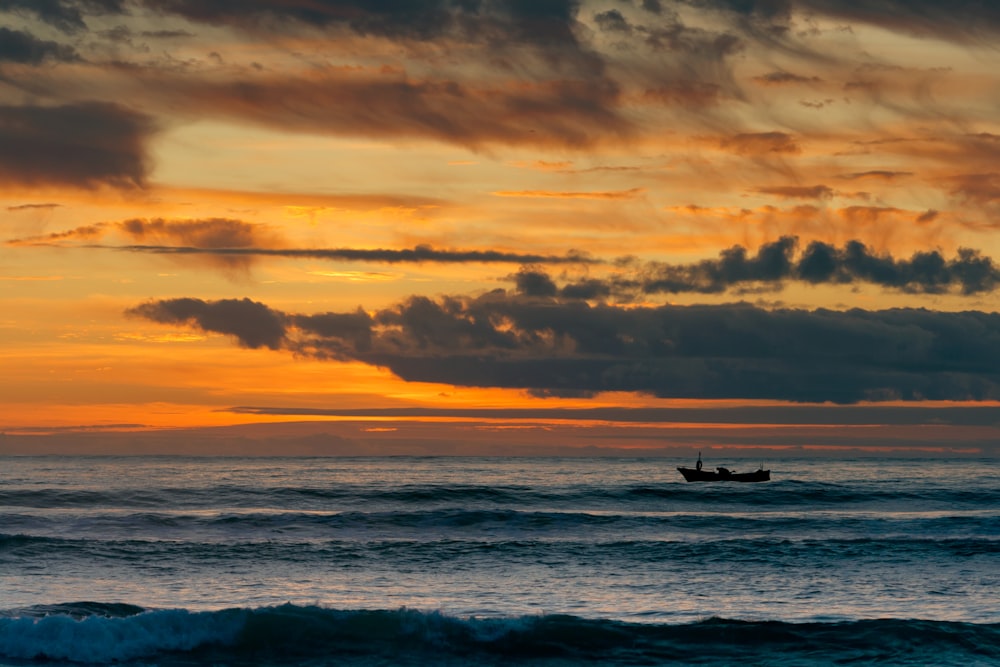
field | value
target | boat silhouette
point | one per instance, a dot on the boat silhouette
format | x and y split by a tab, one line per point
698	474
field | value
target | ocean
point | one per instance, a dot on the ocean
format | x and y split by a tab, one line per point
497	561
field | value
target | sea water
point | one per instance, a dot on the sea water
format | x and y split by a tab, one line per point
548	561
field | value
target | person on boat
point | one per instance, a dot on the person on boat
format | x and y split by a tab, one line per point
723	472
697	466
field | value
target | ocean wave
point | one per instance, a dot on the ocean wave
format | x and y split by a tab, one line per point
399	552
784	493
229	525
96	633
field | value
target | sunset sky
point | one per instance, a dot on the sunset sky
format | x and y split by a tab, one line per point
488	226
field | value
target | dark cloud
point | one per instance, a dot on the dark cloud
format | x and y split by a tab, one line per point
772	263
503	26
612	21
420	253
83	145
235	239
22	47
925	272
32	207
535	283
681	39
878	174
207	233
253	324
781	77
652	6
66	15
710	352
799	192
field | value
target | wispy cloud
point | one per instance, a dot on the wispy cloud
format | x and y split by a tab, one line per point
228	238
547	194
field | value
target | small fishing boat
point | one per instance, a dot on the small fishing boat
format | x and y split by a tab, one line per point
696	474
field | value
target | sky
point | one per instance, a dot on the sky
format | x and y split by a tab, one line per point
500	226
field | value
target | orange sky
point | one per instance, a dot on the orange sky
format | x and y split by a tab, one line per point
520	206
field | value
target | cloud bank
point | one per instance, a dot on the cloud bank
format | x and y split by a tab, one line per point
552	347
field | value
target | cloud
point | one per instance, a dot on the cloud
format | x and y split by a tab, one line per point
709	352
878	174
615	194
33	207
82	145
980	189
18	46
761	415
961	21
685	93
563	112
253	324
230	239
207	233
782	78
66	15
507	29
799	192
925	272
417	254
761	143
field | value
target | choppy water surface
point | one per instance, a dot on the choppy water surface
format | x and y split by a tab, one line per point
394	560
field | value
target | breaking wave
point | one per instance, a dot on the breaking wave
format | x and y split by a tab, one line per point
100	633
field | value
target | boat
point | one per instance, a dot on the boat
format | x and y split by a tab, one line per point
697	474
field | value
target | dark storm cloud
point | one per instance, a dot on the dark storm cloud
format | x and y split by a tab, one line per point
22	47
710	352
84	145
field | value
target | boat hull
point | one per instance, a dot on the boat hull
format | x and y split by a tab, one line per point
695	475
